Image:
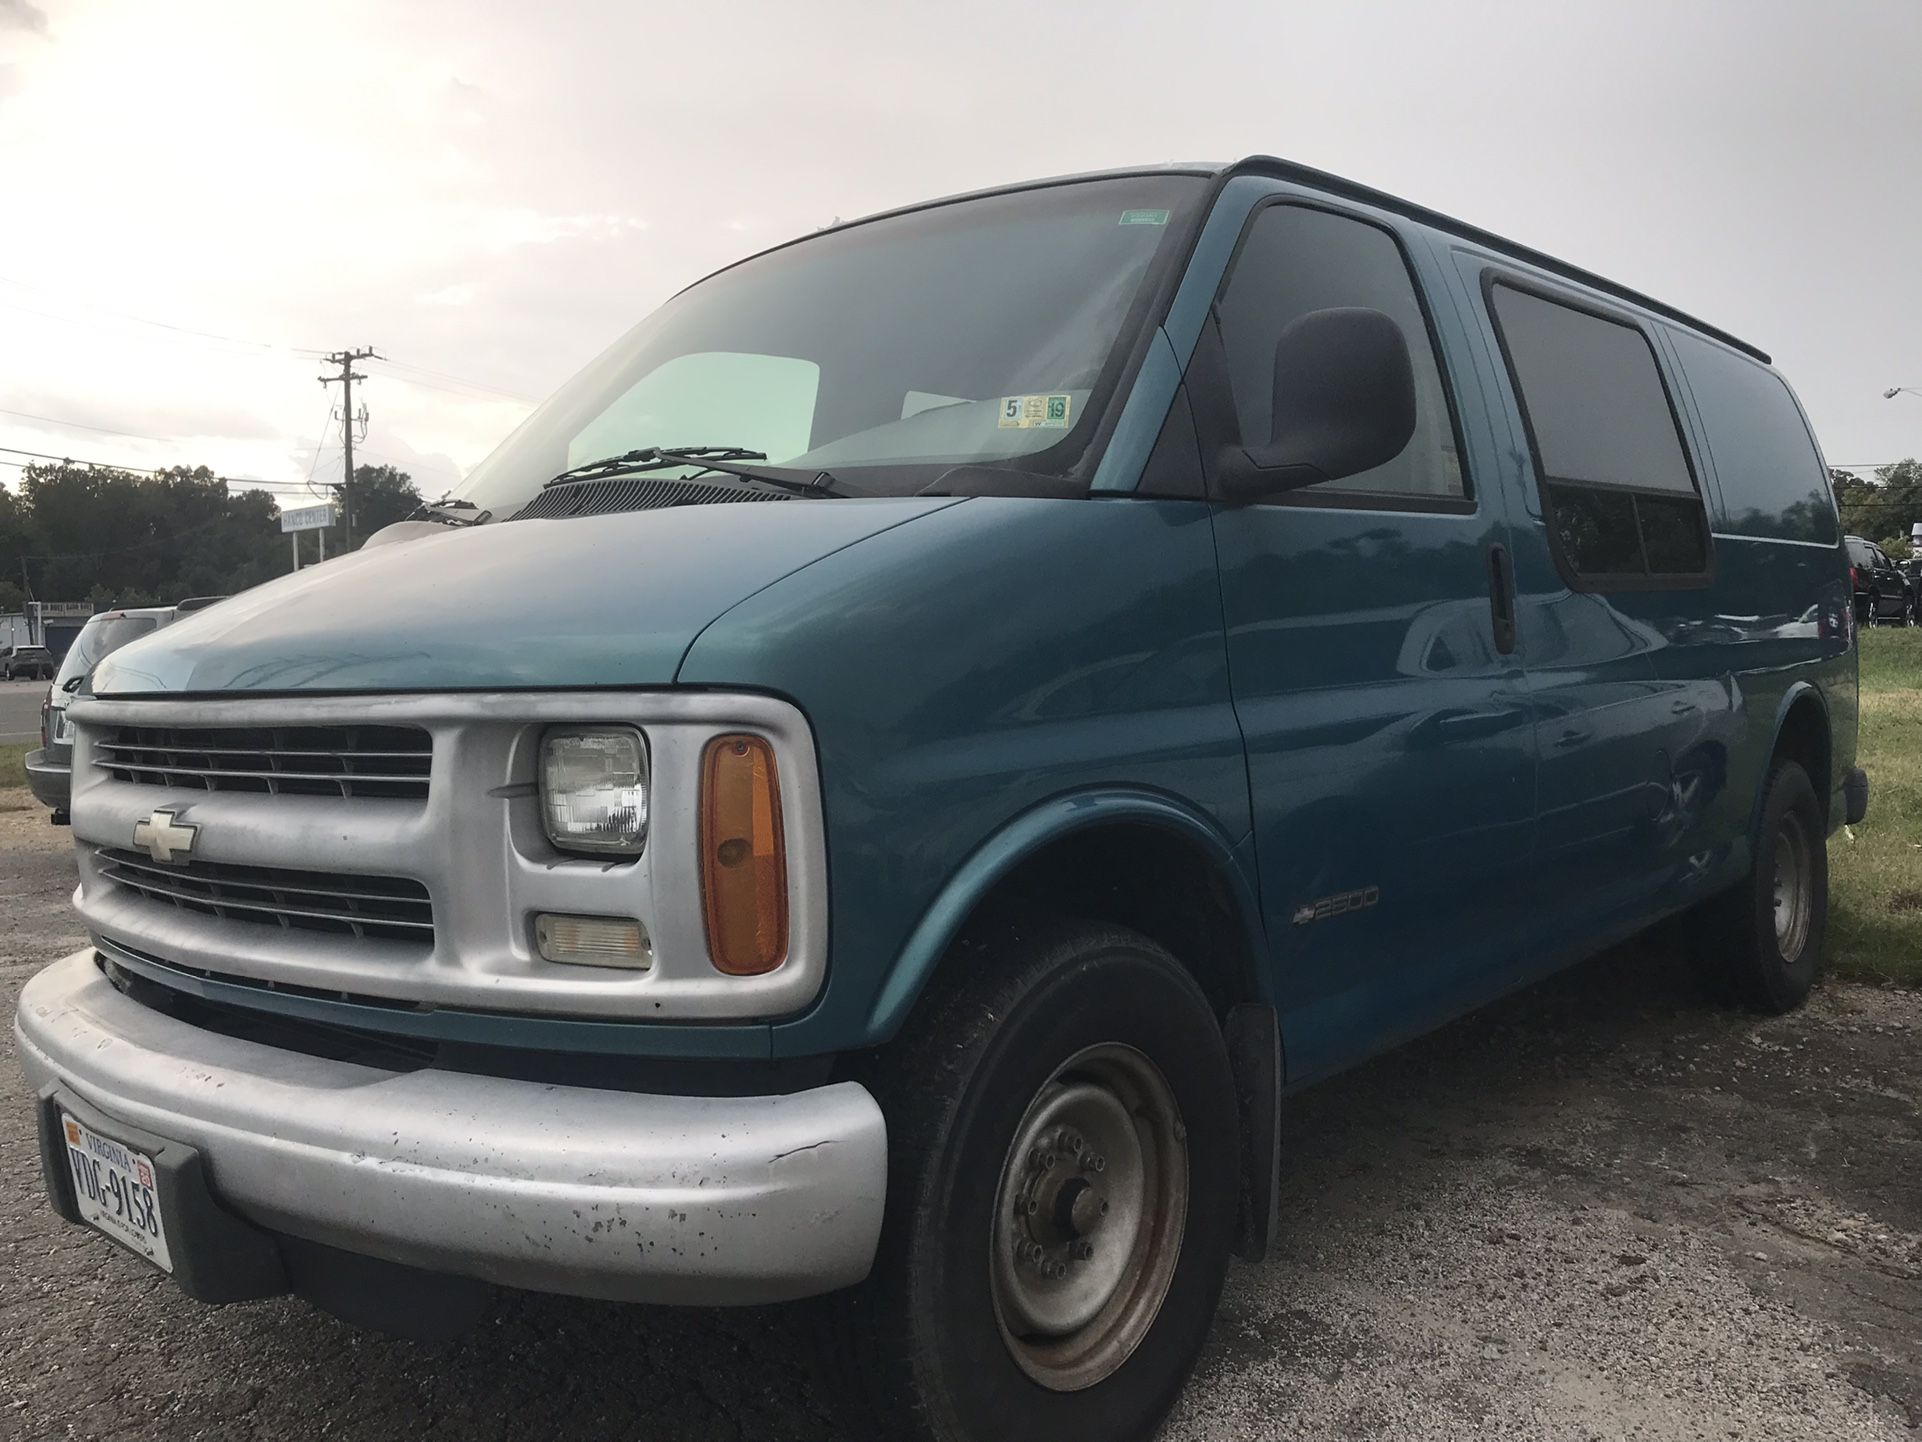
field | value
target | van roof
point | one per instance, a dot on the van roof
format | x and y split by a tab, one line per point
1322	180
1435	220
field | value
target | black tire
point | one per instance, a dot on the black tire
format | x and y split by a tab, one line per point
921	1343
1739	944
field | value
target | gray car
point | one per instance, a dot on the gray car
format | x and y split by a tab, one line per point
25	662
49	768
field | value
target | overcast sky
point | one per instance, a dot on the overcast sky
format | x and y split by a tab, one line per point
193	193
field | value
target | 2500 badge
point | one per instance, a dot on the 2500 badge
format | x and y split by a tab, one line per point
1340	904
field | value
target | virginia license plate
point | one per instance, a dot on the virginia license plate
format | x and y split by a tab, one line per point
117	1189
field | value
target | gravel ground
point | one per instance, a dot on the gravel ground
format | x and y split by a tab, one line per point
1598	1211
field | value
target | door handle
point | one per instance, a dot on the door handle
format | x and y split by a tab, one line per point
1501	599
1466	725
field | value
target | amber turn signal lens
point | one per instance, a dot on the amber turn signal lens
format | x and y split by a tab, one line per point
743	863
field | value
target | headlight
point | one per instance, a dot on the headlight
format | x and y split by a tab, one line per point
594	789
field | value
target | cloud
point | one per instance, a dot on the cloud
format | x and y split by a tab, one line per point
448	295
21	15
504	229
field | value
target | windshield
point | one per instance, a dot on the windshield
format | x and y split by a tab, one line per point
99	636
978	331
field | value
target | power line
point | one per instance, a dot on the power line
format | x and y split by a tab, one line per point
81	426
445	376
38	456
157	324
304	352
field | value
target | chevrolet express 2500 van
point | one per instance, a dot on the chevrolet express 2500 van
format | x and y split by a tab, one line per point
893	770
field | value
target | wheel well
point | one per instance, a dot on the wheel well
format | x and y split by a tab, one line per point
1148	878
1804	739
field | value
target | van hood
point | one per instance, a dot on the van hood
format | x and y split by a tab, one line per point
602	601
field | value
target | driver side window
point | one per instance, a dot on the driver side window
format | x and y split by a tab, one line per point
1294	260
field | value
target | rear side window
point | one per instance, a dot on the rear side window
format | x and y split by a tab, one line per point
1620	498
1772	479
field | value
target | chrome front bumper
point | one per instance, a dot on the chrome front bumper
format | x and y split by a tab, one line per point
557	1189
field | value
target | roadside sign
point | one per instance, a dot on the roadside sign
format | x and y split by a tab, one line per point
307	518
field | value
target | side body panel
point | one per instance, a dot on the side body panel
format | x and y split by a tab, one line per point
1390	758
1598	706
1014	653
1780	620
1681	691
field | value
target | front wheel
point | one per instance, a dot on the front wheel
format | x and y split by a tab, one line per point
1061	1198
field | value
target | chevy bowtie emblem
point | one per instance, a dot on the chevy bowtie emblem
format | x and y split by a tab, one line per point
161	839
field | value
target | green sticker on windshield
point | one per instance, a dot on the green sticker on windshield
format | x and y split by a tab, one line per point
1144	217
1032	413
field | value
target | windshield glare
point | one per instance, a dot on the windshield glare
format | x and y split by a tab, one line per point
96	639
979	331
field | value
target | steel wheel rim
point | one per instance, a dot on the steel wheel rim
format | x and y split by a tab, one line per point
1088	1217
1794	881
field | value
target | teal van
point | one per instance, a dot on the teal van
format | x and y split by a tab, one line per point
885	779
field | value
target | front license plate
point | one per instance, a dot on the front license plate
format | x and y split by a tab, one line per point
117	1189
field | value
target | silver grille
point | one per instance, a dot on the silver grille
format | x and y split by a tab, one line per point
391	761
391	908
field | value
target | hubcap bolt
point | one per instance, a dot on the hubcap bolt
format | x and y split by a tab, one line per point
1070	1141
1081	1251
1047	1161
1094	1161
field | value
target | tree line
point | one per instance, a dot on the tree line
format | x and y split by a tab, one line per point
75	532
1883	509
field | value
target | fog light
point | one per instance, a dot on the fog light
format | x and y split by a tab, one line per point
593	941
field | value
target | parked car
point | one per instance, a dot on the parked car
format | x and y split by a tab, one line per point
21	662
1130	647
1882	591
49	768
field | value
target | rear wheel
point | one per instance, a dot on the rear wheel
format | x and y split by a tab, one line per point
1061	1197
1763	939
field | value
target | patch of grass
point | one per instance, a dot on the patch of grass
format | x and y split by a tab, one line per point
13	766
1875	880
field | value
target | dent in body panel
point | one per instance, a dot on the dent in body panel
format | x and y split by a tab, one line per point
958	675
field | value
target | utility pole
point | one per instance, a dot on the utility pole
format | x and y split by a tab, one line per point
348	375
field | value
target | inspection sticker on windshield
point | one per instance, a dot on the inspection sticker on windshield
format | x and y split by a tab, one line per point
1144	217
1032	413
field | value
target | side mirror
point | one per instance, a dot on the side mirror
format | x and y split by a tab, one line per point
1344	404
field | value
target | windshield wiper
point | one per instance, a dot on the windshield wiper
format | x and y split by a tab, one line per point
725	459
447	510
